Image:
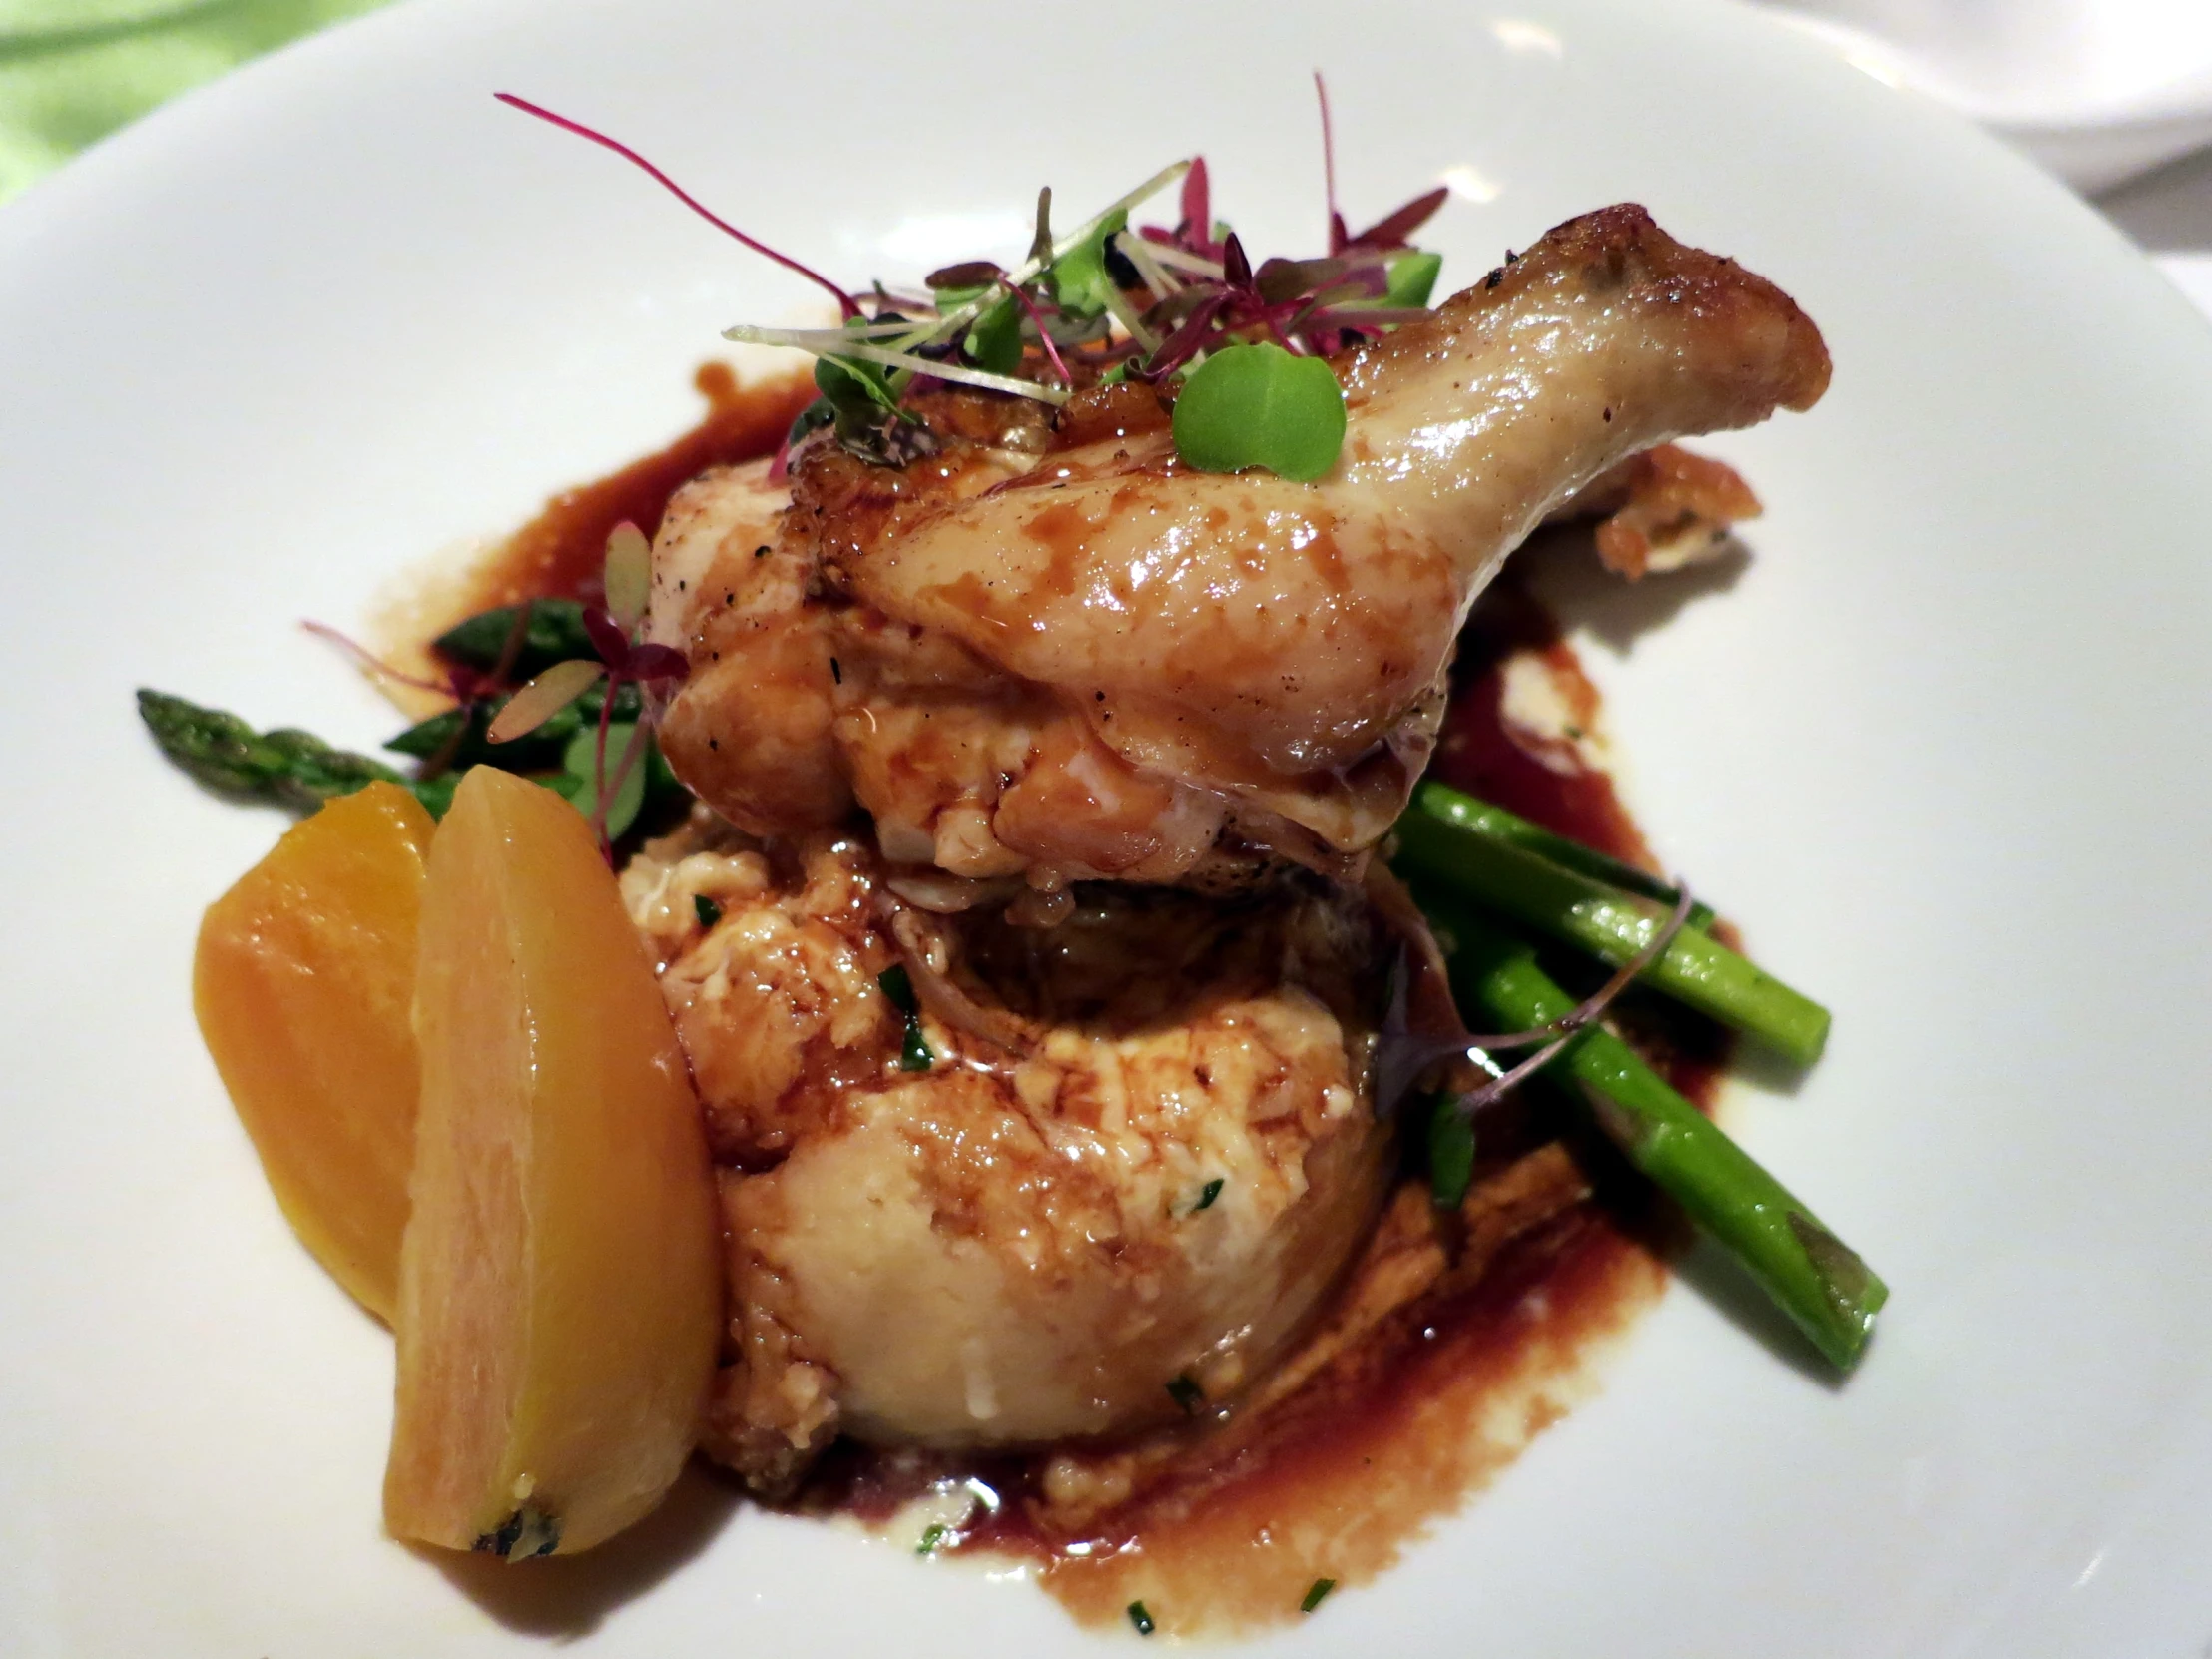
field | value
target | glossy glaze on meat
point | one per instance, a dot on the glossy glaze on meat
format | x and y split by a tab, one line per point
1099	663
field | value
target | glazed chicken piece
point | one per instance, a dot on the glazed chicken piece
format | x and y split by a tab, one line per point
1099	663
1142	1155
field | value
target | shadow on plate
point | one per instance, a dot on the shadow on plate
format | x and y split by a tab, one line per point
1561	568
567	1596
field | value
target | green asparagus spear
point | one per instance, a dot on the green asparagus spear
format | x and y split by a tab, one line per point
1812	1274
1438	841
555	634
291	767
1486	818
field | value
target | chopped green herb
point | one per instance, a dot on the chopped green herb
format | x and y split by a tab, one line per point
708	912
914	1054
1451	1153
1186	1393
1208	1193
899	987
1257	405
932	1536
1316	1595
1140	1618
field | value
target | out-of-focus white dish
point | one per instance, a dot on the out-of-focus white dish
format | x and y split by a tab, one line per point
2097	90
1940	746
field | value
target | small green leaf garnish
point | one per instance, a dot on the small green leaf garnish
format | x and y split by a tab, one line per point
1140	1618
706	910
1257	405
1080	281
1412	278
628	575
1207	1194
580	780
932	1536
545	697
1186	1393
1451	1153
995	338
1316	1595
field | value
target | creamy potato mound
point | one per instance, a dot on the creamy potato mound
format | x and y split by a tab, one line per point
1140	1152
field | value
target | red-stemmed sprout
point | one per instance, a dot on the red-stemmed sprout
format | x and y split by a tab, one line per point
848	307
1200	291
1555	1036
623	659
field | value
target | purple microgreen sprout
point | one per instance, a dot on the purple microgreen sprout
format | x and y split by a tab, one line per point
1561	1032
1336	238
622	659
847	306
1045	334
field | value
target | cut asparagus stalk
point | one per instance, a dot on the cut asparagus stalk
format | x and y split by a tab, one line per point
1442	839
1813	1276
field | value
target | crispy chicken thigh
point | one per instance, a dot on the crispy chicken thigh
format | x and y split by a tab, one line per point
1096	661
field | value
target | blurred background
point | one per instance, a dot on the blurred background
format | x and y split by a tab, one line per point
2113	95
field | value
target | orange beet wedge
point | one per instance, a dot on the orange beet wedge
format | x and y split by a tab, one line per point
559	1290
302	981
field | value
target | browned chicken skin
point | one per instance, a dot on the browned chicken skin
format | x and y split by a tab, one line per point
1097	662
1050	653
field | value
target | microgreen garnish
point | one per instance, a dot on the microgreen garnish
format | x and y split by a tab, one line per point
932	1536
706	910
1257	405
1186	1393
1208	1193
845	305
914	1052
1140	1618
1561	1032
1105	302
1316	1595
610	800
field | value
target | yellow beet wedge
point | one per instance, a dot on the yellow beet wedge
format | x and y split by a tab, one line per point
559	1285
303	981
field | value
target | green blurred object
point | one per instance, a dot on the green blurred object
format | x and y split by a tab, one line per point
73	71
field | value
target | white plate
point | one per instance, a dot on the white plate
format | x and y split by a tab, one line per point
2098	91
1940	748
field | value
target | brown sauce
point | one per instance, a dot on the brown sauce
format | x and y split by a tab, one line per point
559	553
1457	1339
